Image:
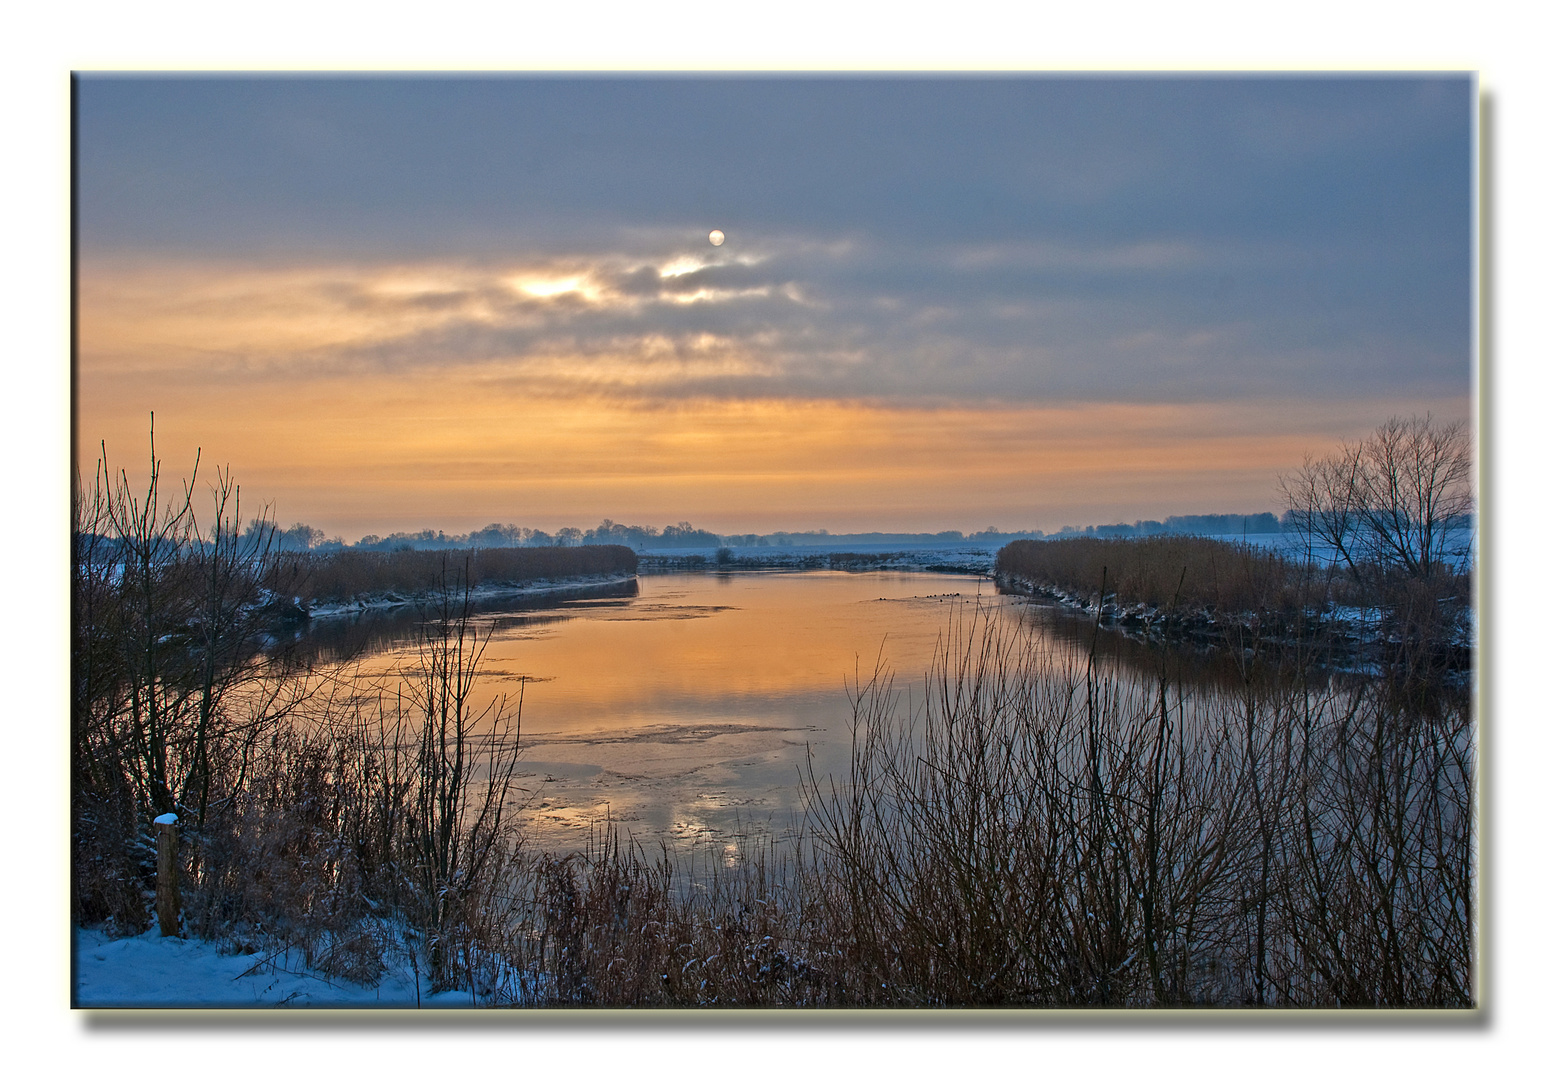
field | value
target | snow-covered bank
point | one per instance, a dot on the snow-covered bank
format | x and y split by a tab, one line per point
155	972
549	589
1356	637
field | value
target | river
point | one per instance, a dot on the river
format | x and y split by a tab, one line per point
682	706
685	710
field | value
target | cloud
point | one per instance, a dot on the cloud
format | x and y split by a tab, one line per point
1023	238
460	447
373	167
788	316
472	277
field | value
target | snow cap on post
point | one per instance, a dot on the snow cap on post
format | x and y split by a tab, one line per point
167	819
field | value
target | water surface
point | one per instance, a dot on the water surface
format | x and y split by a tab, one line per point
685	711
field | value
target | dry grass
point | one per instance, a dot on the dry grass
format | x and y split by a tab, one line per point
382	817
1043	835
1231	593
1202	574
342	576
686	928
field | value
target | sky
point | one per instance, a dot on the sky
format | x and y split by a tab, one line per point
942	302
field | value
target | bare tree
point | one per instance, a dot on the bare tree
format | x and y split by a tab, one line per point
462	827
1398	501
170	625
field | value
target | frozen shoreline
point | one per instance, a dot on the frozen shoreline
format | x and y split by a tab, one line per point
1357	635
148	971
552	588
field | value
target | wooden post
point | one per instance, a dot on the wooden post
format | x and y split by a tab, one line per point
167	874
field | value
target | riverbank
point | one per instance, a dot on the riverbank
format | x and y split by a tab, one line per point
569	588
346	580
148	971
1436	635
975	560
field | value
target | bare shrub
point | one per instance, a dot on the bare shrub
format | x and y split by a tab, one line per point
1400	500
685	928
460	835
1037	833
316	814
171	680
1397	511
381	819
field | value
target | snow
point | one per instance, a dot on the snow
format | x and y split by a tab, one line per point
151	971
477	593
167	819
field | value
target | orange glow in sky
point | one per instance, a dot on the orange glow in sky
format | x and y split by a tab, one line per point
363	399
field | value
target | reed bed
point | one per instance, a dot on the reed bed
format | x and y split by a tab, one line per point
1192	573
1038	833
342	576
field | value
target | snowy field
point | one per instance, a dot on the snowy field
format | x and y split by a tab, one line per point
151	971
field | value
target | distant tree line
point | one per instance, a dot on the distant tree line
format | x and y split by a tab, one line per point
825	537
301	537
343	576
682	535
1187	525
